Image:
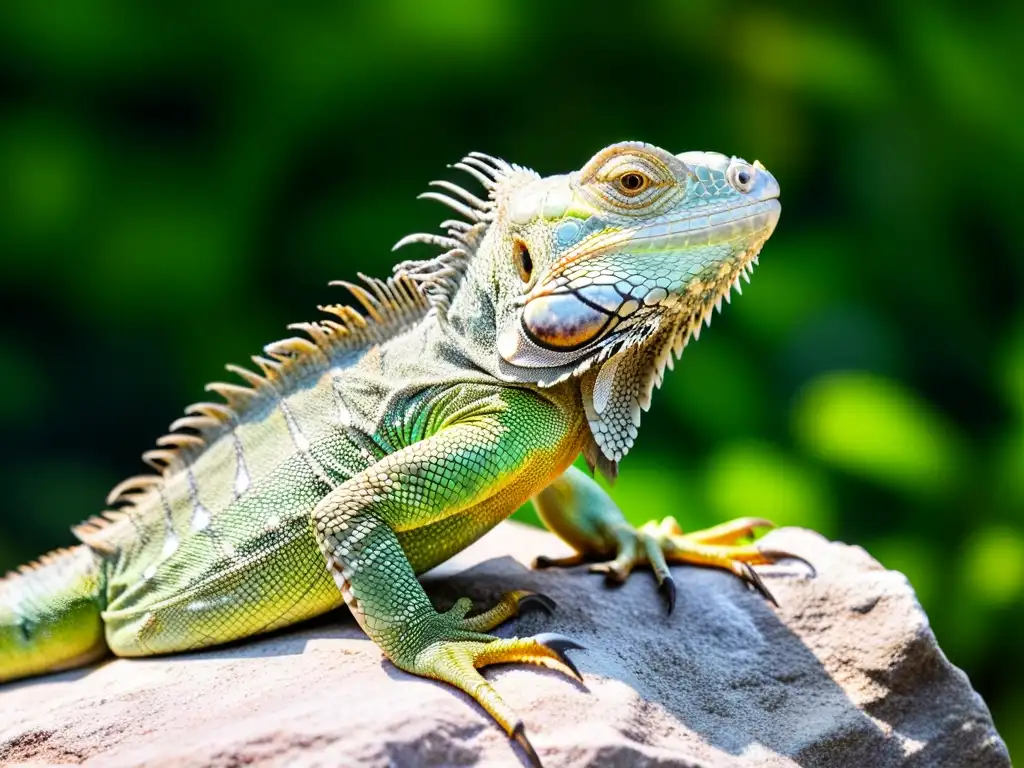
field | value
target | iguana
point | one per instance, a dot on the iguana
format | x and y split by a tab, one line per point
386	439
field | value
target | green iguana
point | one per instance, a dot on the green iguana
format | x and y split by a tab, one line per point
385	440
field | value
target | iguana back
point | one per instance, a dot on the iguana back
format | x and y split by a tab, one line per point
187	545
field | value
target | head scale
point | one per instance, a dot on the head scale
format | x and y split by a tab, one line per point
605	273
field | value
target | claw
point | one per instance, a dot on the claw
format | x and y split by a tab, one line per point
668	590
519	736
537	600
776	555
560	644
726	546
754	581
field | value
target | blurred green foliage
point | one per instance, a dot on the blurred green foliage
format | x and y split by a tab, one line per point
181	180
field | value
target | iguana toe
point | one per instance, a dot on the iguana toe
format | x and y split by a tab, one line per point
511	604
456	656
729	532
727	546
538	600
546	649
616	572
543	561
775	555
560	644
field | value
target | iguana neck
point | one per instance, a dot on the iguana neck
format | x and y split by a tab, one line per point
470	322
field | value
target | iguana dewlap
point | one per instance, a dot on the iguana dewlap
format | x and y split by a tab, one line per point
382	441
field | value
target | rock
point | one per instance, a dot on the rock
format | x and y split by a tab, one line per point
846	672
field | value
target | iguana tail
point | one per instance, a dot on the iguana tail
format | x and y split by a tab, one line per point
50	614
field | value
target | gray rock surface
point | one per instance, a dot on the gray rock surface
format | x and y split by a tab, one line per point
845	673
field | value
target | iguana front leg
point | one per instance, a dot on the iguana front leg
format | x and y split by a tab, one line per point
579	511
481	464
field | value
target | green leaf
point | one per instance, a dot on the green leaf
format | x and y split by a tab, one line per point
993	565
875	428
1012	378
826	62
748	478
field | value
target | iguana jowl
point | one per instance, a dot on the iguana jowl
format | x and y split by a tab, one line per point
384	441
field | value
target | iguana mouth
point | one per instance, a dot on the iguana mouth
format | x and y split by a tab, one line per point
708	229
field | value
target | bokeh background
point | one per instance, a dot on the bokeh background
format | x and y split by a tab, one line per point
179	181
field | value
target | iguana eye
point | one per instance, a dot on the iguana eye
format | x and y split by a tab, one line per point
523	261
632	177
633	183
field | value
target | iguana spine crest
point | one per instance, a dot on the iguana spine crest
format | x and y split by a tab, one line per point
391	306
441	276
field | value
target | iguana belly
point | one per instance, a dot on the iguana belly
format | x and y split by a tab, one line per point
273	588
243	577
255	569
270	581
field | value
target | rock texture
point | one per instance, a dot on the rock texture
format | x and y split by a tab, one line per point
846	672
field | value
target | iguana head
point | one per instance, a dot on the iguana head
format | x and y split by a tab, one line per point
605	273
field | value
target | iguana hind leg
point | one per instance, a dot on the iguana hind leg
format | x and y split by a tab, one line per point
576	509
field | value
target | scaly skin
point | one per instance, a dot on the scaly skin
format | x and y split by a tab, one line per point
390	440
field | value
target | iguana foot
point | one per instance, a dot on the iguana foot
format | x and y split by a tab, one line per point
658	544
453	648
